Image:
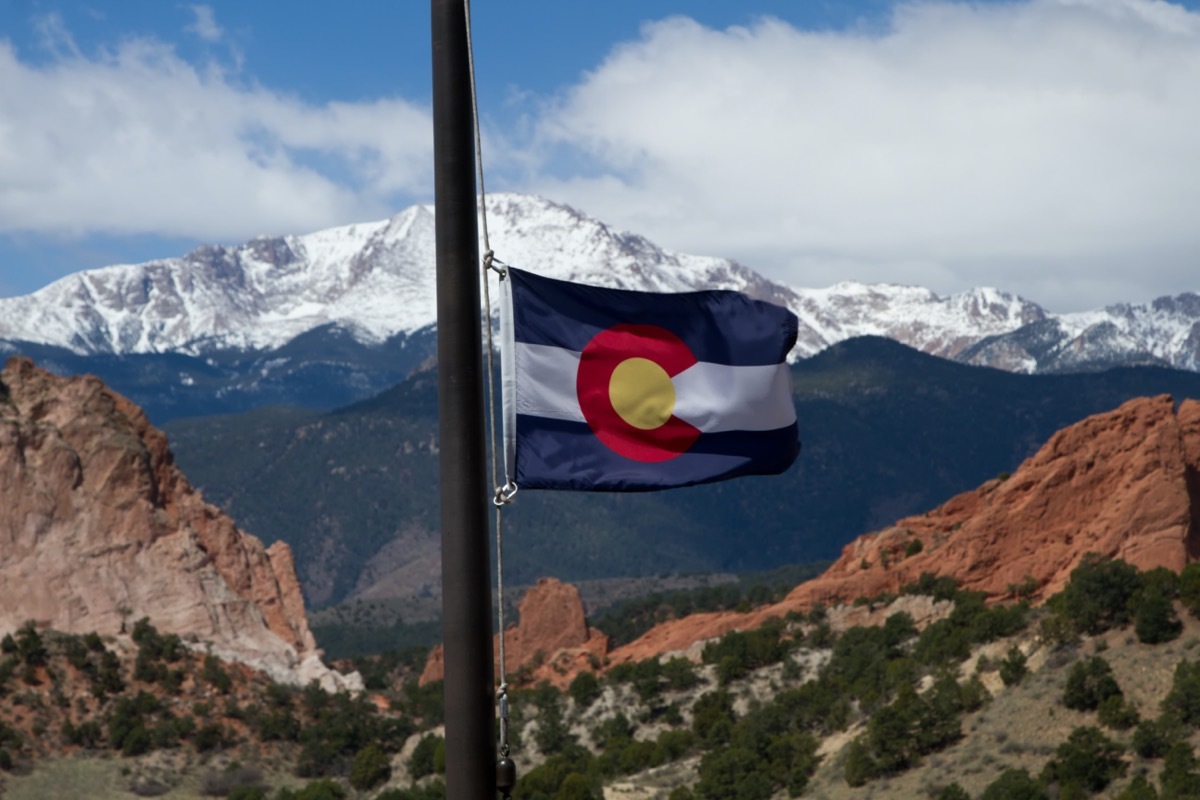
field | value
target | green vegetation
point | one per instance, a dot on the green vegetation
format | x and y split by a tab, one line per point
1084	764
749	718
737	652
1089	684
625	621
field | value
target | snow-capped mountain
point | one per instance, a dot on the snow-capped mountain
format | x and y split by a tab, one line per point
369	286
377	279
1164	332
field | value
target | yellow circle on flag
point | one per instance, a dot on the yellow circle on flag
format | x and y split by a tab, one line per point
642	393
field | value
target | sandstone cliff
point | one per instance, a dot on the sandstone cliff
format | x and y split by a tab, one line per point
1124	484
551	642
99	528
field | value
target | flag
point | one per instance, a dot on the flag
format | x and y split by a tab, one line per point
616	390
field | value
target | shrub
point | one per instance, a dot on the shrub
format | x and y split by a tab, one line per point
235	778
1153	738
1114	712
732	772
1155	620
544	781
321	790
1014	784
1089	684
136	741
1138	789
1189	588
577	787
209	737
1014	667
680	674
585	689
1183	701
371	768
1097	597
420	763
738	652
248	793
1179	778
552	734
30	647
712	717
617	729
215	675
1088	760
860	765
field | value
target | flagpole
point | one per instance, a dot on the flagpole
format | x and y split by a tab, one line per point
466	567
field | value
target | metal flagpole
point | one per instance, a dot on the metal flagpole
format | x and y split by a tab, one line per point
466	568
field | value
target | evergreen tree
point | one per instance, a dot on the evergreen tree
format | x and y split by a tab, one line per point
1088	760
1138	789
1179	777
1090	683
1155	620
861	766
371	768
1014	667
1097	597
1014	784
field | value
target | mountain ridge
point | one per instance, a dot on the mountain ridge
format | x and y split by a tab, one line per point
888	431
375	281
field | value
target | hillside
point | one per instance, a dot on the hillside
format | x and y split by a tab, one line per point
900	672
820	687
887	431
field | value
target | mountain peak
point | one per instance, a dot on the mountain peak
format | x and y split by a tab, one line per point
377	279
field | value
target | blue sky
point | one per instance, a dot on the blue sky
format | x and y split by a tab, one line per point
1046	147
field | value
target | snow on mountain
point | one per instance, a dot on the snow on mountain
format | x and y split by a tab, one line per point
1164	332
376	279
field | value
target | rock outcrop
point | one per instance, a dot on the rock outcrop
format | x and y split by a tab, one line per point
551	642
1124	484
99	528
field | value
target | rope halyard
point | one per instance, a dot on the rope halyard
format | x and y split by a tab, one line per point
504	493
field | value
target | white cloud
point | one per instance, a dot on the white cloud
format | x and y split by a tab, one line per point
1047	146
136	140
205	25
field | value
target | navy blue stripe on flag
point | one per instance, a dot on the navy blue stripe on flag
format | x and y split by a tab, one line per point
559	454
718	326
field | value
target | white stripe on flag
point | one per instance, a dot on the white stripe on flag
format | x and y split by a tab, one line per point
546	382
716	397
713	397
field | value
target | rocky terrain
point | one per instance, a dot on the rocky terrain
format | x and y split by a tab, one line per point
1124	484
924	624
100	528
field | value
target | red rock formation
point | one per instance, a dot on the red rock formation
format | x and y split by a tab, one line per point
552	640
1124	484
98	528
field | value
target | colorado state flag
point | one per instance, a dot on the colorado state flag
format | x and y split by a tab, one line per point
615	390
